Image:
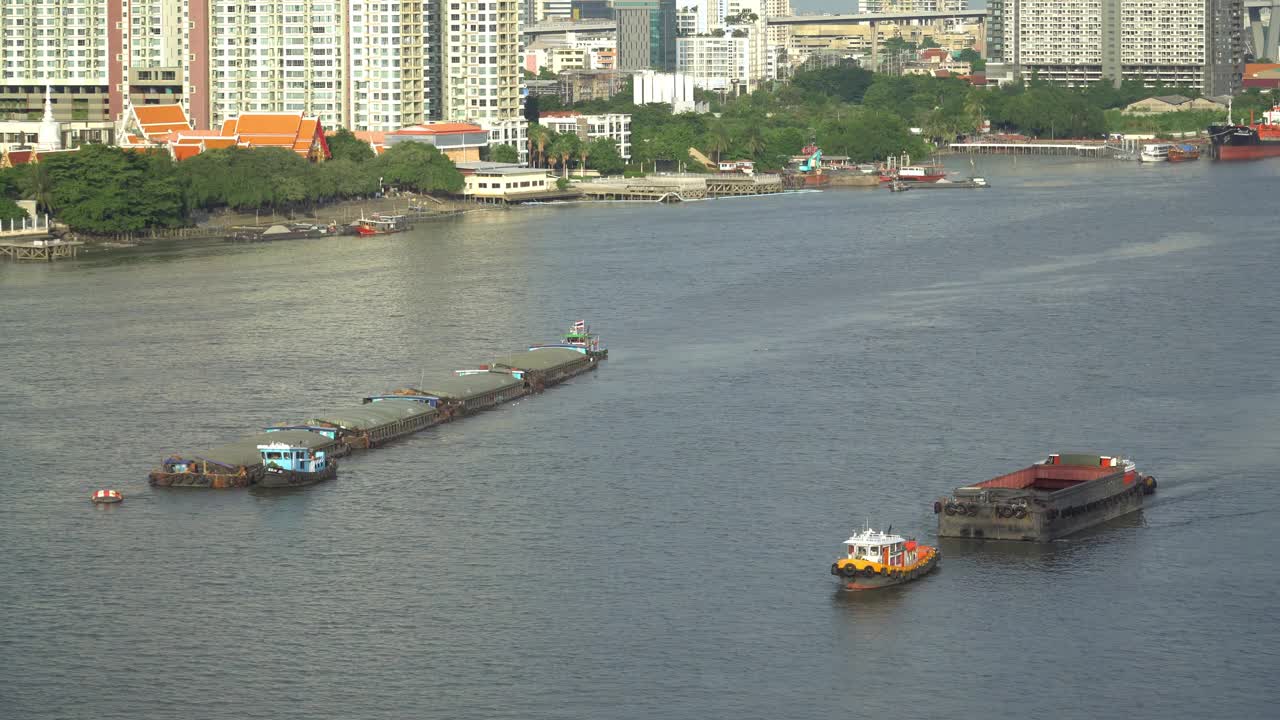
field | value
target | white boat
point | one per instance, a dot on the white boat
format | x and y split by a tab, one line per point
1155	152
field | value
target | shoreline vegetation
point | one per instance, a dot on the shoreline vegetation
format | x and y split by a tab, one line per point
105	191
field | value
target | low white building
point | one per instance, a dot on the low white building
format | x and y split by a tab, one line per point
504	182
615	126
675	89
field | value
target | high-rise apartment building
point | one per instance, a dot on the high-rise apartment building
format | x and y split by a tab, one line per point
1195	43
480	68
646	34
280	56
392	64
98	55
481	59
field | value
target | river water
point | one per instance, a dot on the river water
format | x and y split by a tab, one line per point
653	540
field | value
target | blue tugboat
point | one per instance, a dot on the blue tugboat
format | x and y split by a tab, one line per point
287	466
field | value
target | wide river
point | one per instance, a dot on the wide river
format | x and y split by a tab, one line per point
653	540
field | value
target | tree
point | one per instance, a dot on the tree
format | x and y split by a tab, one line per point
971	56
420	167
584	152
538	137
546	74
503	154
718	139
564	146
11	212
605	157
345	145
100	189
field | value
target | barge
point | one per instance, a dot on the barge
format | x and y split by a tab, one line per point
236	464
543	367
466	392
1065	494
371	424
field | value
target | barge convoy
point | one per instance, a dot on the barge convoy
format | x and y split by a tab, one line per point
303	452
1065	494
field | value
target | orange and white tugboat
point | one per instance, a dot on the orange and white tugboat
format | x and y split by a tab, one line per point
875	559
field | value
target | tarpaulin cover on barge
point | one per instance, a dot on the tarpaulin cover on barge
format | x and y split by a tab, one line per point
547	365
378	422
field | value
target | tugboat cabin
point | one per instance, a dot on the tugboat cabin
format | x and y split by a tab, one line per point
877	547
292	457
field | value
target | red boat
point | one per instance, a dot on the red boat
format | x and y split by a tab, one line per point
1183	153
1248	142
913	173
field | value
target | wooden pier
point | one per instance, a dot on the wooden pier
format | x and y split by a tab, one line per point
681	188
38	250
1078	149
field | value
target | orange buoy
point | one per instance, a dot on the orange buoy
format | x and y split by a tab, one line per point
107	497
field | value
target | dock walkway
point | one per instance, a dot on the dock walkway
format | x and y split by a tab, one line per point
38	249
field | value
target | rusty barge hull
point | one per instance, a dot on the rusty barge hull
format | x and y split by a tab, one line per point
1042	503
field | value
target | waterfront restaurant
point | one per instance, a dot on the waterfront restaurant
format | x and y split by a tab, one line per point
493	182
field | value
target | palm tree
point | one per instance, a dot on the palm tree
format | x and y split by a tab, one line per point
718	139
584	152
564	146
753	141
975	107
40	187
539	137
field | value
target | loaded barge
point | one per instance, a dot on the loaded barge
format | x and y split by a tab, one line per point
237	464
1065	494
304	452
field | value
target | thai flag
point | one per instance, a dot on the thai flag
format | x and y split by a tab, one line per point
580	325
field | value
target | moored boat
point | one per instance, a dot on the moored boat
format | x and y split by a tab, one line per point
287	465
236	464
1253	141
1183	153
875	559
1064	494
381	224
914	173
1154	152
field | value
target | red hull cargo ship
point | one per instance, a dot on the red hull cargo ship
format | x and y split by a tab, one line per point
1254	141
1065	494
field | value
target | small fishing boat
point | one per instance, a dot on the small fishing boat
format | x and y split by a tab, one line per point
286	465
914	173
875	559
579	337
106	497
381	224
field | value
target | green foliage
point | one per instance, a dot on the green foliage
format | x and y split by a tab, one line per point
1163	123
971	56
538	137
10	212
563	147
250	179
108	190
344	145
562	183
13	181
604	157
847	82
870	135
546	74
419	167
504	154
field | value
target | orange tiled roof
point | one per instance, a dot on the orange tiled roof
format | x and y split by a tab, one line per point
1253	70
156	120
287	130
371	136
439	128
